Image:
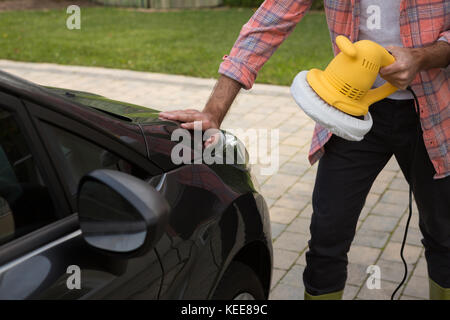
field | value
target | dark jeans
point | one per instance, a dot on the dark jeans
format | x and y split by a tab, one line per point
344	177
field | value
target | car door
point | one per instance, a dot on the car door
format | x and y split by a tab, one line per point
42	252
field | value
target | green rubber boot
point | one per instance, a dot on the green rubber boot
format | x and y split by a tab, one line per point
328	296
437	292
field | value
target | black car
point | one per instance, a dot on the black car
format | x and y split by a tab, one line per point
92	207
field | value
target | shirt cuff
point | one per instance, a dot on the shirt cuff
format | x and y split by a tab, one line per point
237	71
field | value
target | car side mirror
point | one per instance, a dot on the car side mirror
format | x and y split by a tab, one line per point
120	213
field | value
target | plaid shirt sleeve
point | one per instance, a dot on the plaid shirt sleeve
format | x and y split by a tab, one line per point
260	37
445	36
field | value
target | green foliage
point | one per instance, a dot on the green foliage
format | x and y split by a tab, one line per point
189	42
317	4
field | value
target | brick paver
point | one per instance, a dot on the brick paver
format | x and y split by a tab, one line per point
288	191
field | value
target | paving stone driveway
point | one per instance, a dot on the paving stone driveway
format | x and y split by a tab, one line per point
288	192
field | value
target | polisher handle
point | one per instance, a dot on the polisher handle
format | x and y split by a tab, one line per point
387	58
346	46
386	89
380	93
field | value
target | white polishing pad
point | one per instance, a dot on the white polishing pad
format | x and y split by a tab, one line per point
338	122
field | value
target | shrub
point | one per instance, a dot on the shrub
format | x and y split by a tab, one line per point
317	4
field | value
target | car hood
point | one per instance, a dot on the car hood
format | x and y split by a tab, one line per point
156	132
119	109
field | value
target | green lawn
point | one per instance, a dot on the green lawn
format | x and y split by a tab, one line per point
183	42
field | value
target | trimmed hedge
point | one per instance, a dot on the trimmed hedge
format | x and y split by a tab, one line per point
317	4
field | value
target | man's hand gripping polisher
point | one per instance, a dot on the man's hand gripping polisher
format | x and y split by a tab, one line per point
335	97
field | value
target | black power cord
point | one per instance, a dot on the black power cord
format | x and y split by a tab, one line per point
405	235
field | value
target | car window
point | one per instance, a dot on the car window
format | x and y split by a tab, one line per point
81	156
25	201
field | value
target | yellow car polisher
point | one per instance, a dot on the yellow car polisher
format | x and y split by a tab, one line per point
335	97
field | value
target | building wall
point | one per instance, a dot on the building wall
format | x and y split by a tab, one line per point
161	4
125	3
165	4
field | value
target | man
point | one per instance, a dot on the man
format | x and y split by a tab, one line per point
417	33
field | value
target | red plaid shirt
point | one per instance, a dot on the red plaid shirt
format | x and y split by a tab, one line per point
422	22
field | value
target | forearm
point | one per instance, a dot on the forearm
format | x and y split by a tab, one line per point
259	38
222	98
436	55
